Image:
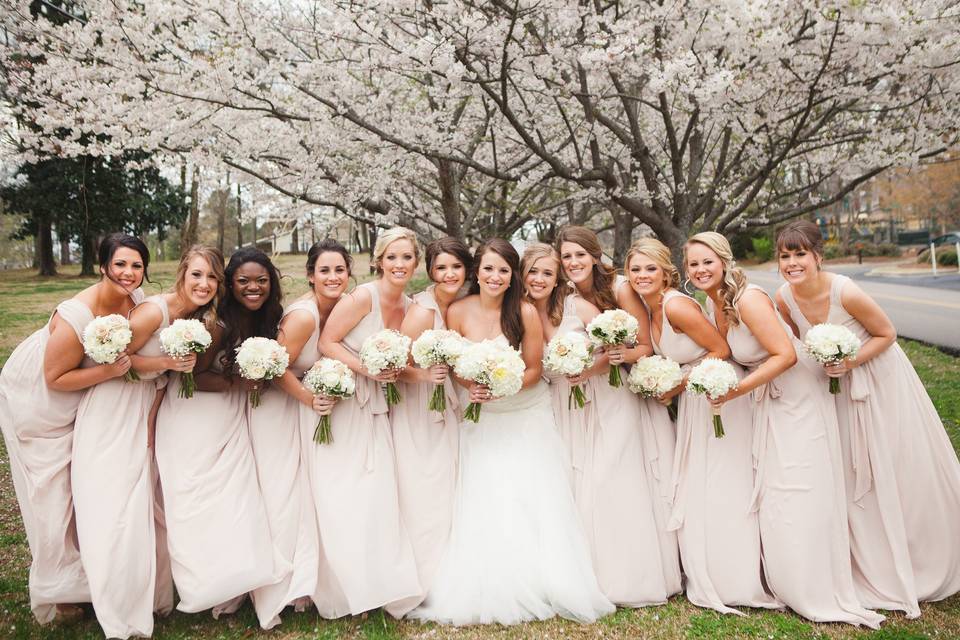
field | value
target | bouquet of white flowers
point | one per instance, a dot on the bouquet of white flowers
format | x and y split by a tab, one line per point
612	327
386	349
654	376
182	338
433	347
105	338
261	359
715	378
328	377
829	344
569	354
493	364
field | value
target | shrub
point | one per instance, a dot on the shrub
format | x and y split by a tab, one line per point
762	249
946	256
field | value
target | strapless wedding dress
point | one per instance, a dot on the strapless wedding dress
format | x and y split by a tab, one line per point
517	550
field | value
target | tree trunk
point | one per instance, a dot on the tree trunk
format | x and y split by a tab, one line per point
448	179
372	243
45	263
623	223
295	238
188	233
220	208
88	251
239	219
64	249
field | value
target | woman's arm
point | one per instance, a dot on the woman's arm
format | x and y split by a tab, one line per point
295	329
587	311
758	314
346	315
62	358
630	302
685	316
208	379
145	319
868	313
532	344
415	322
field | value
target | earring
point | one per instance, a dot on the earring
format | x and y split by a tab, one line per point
686	288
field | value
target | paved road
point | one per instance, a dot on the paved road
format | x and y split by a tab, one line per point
918	312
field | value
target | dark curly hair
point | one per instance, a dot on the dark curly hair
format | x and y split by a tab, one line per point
262	323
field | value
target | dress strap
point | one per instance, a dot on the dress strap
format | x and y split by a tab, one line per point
303	305
76	314
836	288
787	296
161	302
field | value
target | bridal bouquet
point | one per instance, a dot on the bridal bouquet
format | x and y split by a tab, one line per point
386	349
261	359
569	354
180	339
654	376
328	377
612	327
493	364
105	338
714	377
829	344
433	347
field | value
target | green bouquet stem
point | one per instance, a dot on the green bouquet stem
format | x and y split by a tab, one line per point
834	386
576	395
255	398
614	378
187	385
717	423
473	412
323	434
672	411
438	401
393	396
131	376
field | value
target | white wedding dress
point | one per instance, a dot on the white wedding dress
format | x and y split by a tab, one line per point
517	550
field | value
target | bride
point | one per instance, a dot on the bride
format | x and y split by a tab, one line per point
516	551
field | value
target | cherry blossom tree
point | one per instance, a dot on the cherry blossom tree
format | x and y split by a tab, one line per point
471	117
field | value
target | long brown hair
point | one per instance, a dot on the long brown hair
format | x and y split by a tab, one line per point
533	252
208	312
602	294
511	321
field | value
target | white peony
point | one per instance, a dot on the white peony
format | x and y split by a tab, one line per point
261	358
654	376
613	327
105	338
183	337
433	347
328	377
831	343
715	378
569	354
385	349
491	363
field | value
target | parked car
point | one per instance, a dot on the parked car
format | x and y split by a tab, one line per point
950	238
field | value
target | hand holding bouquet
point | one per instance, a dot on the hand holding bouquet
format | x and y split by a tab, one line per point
715	378
181	338
105	338
569	354
654	376
261	359
433	347
386	349
332	378
612	327
495	365
830	344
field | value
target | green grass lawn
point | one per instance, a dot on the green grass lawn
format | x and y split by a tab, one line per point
26	302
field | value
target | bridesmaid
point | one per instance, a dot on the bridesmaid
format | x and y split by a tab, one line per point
217	531
636	436
426	442
713	477
40	390
798	494
112	474
366	557
281	430
902	475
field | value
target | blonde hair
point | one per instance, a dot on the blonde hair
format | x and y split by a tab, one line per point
208	312
660	254
531	254
734	280
392	235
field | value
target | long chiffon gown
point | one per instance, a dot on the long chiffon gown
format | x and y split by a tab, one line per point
902	475
366	559
799	492
275	433
114	485
38	424
635	558
517	550
713	483
217	530
426	444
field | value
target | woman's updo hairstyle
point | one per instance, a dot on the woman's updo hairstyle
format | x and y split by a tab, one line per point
659	253
392	235
327	245
109	245
734	280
